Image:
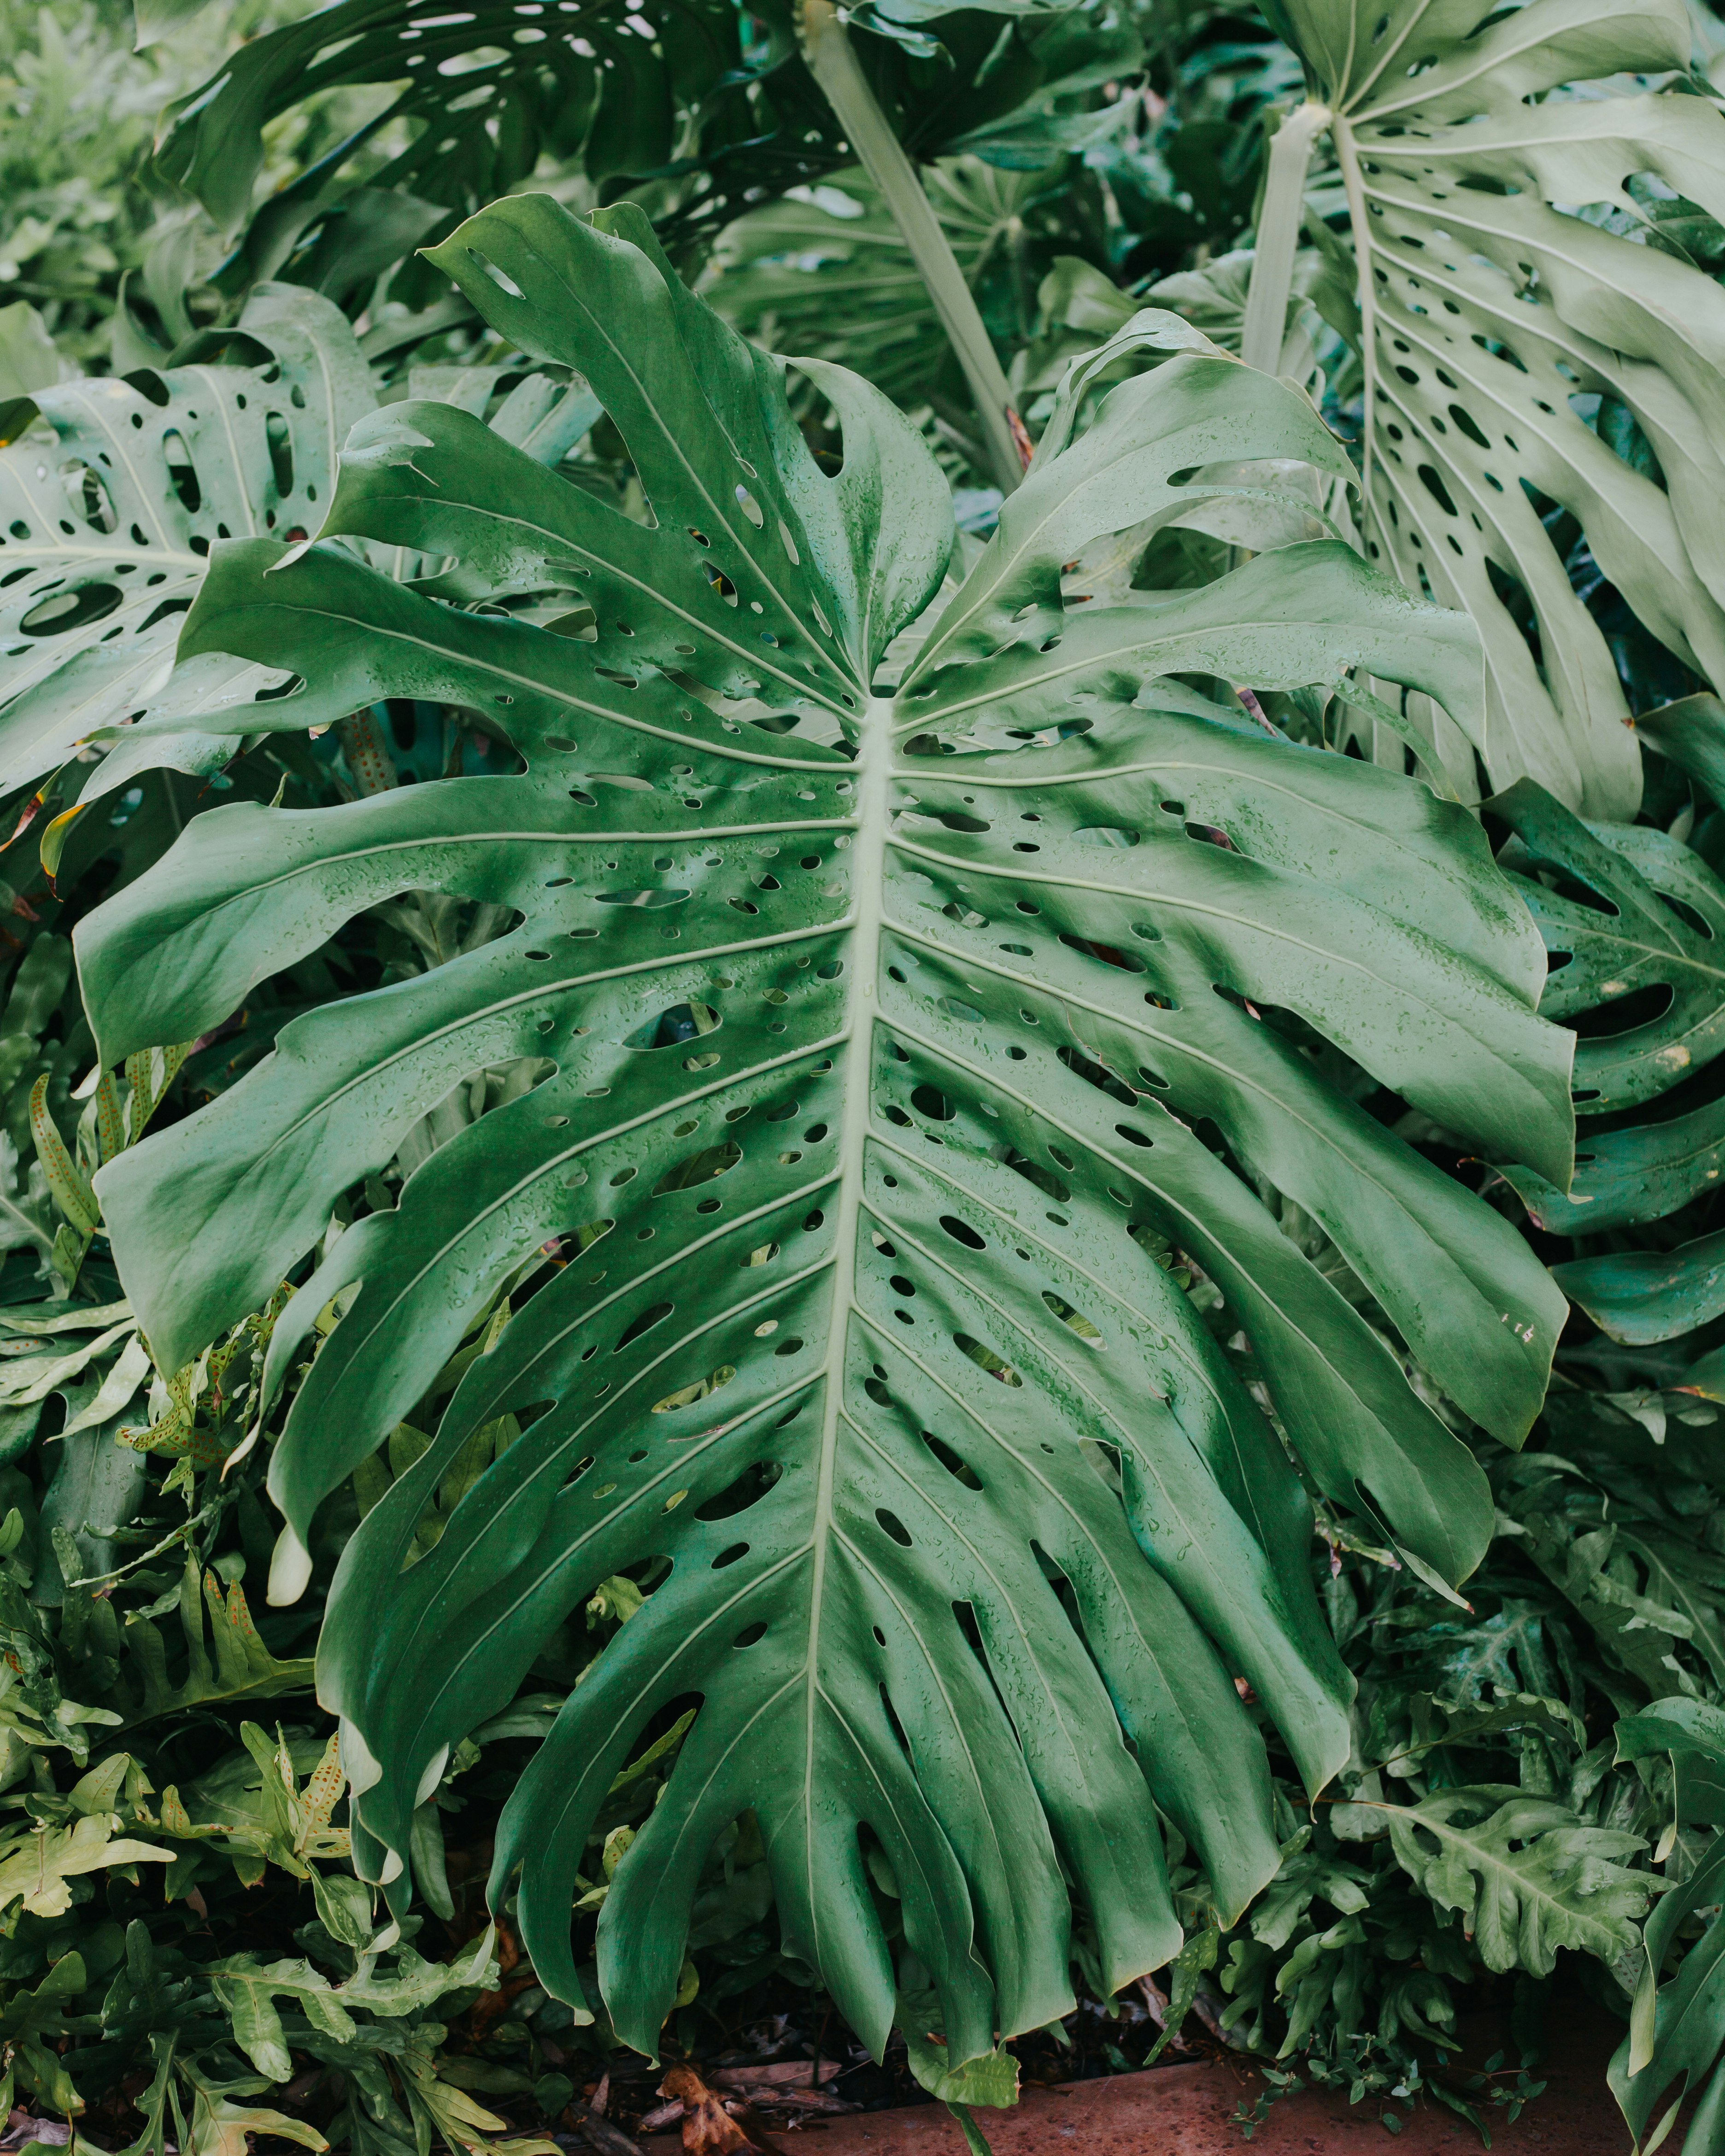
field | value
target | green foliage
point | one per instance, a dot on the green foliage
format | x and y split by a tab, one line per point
1630	911
1481	1824
829	273
1525	1879
127	1633
726	669
1629	914
1677	2029
825	271
592	86
1560	362
696	108
110	503
80	218
607	817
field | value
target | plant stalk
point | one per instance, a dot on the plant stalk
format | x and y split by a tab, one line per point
827	48
1267	309
1348	156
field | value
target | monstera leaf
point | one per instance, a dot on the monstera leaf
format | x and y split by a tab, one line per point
484	89
110	503
661	90
1632	920
1542	349
888	1049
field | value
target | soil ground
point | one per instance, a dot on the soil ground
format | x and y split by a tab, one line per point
1192	2110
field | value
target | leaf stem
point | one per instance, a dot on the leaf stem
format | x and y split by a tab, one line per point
1351	180
827	48
1266	308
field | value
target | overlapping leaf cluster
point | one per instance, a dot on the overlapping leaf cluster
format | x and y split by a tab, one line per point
1525	1874
1296	1238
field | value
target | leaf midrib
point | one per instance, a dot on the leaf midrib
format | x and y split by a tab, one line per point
655	595
533	687
873	804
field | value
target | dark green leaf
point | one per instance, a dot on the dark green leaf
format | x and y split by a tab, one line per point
882	1034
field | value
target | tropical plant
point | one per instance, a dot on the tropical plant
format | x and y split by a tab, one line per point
1483	1748
80	222
114	497
973	1155
115	492
616	89
673	100
1531	203
1677	2029
359	1161
135	1813
1629	914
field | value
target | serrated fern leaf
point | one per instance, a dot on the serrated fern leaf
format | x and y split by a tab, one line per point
1526	1874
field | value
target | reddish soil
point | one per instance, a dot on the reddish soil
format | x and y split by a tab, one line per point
1189	2111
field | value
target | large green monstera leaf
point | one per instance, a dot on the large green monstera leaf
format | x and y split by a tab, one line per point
888	1049
652	89
482	90
1542	354
110	503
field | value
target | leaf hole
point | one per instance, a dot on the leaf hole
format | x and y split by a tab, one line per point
655	1314
281	444
1074	1321
650	901
673	1026
985	1358
62	611
959	1468
687	1395
182	474
500	278
699	1168
748	1489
